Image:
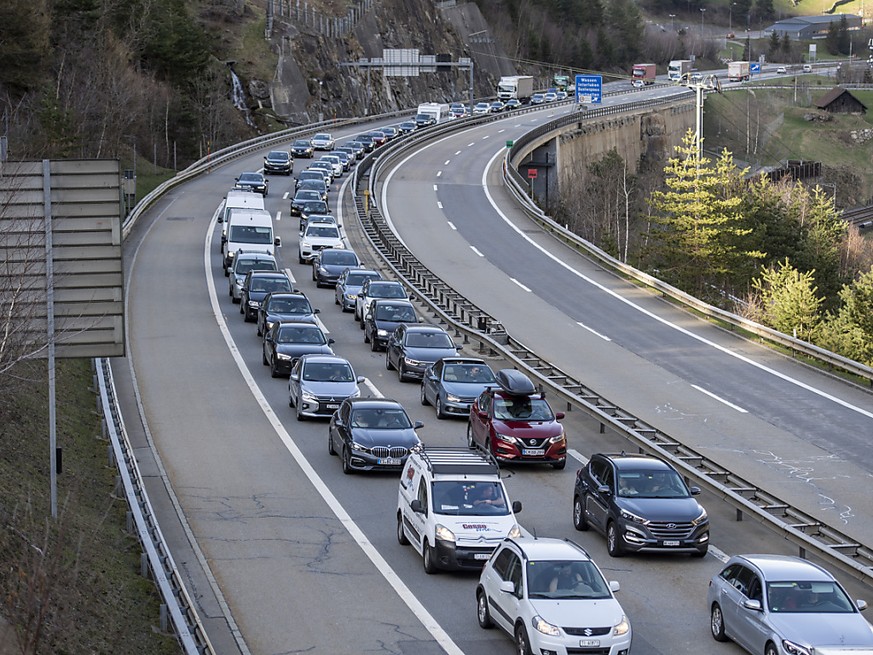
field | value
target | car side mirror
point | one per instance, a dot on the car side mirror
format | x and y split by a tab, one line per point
416	506
752	604
294	376
316	311
417	425
330	342
614	586
516	506
482	415
695	491
220	218
421	319
360	379
603	489
559	416
278	242
507	587
861	605
458	347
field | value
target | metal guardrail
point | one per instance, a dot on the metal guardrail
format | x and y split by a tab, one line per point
517	187
459	314
156	557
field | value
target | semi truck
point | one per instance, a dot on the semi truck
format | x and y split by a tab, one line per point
643	74
738	71
520	87
561	82
679	69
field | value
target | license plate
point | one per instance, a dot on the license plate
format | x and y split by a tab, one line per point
533	452
389	461
671	543
332	406
481	556
589	642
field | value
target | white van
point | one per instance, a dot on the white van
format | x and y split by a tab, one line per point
236	199
250	230
453	508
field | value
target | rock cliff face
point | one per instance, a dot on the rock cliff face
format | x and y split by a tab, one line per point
316	72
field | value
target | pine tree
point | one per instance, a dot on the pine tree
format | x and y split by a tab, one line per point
774	45
849	332
788	300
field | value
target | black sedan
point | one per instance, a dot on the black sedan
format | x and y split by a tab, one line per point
252	182
278	161
407	127
291	307
255	287
312	185
453	383
328	264
312	208
412	348
301	197
383	317
371	434
356	146
285	342
302	148
367	141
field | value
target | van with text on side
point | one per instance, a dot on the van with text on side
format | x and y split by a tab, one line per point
236	199
250	230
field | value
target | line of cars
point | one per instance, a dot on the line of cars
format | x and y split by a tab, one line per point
547	594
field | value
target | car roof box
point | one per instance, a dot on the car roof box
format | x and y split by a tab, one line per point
514	382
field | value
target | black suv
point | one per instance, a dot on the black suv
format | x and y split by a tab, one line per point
640	503
278	161
255	288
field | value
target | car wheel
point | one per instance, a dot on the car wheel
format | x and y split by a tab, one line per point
482	613
260	333
401	535
242	307
337	302
579	520
374	346
230	292
264	357
330	449
347	462
700	553
613	541
300	259
401	372
522	645
274	371
770	649
300	416
314	279
367	338
559	466
427	556
716	623
470	442
440	414
423	396
388	365
247	317
361	322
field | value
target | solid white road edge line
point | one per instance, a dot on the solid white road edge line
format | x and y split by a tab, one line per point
427	620
594	332
719	399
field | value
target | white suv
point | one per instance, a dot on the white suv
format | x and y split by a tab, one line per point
453	508
318	236
551	597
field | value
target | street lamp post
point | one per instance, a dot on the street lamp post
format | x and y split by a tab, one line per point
672	16
702	13
731	16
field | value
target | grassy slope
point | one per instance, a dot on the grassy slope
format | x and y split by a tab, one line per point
98	603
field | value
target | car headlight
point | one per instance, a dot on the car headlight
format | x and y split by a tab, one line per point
412	362
633	518
355	393
283	356
558	438
622	627
702	518
541	625
340	246
269	324
793	648
505	437
231	255
254	304
323	271
382	333
351	296
356	446
305	244
452	398
309	396
515	532
442	533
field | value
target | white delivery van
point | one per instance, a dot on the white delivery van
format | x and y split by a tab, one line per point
250	230
236	199
453	508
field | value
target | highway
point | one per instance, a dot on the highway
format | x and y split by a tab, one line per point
286	554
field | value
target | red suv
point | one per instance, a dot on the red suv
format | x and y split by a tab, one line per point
516	424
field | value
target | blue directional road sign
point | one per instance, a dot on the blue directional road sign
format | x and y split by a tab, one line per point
755	67
589	89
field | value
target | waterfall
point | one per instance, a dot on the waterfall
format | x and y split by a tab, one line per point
238	97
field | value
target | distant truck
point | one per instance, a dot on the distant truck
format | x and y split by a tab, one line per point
643	74
429	113
738	71
561	82
679	69
520	87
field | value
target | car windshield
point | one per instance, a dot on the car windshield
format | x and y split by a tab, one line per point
243	266
651	484
387	291
358	279
294	334
315	207
522	408
328	372
301	144
260	284
381	418
473	373
325	231
339	257
250	234
311	175
306	194
321	137
566	579
398	313
289	306
461	498
428	340
820	597
278	155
